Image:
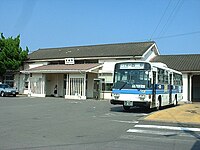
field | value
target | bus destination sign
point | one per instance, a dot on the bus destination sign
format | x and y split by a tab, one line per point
132	66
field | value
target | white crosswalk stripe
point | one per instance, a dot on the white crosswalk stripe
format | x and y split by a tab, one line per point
150	132
169	128
165	130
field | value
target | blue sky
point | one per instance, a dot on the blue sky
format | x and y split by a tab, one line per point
173	24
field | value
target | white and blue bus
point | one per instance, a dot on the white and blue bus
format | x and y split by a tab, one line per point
145	84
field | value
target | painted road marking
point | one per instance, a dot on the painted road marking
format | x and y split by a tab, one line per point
162	133
150	132
168	128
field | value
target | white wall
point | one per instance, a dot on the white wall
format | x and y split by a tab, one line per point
19	78
150	54
37	85
37	64
108	65
185	87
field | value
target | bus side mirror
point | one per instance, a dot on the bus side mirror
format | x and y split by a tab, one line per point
149	83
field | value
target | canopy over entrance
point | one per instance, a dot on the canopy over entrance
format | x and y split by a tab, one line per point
76	68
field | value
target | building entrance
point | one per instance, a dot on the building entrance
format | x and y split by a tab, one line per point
196	88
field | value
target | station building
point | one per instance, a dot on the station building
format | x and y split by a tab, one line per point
86	72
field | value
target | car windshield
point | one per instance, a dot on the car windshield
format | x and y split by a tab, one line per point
131	79
5	86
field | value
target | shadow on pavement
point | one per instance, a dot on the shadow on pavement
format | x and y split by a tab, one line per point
196	145
132	110
138	109
192	133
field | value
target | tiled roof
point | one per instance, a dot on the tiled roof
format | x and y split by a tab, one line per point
180	62
64	68
105	50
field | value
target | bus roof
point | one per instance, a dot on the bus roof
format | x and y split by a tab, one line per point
153	64
163	66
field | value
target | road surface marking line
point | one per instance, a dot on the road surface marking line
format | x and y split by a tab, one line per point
151	132
168	127
162	133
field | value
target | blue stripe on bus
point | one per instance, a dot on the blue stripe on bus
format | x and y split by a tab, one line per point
131	91
179	89
147	92
160	89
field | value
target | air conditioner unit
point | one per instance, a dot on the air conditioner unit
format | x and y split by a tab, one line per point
69	61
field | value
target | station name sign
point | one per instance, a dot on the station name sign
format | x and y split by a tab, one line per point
69	61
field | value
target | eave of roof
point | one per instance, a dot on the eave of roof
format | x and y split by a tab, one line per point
63	68
84	58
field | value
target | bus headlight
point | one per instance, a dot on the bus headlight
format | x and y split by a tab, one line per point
142	96
116	95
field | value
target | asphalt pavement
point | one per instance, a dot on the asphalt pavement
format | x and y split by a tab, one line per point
28	123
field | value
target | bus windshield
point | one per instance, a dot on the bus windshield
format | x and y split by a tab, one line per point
131	79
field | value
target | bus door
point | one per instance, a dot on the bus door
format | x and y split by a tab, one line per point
170	88
154	89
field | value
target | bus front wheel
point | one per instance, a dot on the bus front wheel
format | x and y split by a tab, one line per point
175	101
126	108
158	107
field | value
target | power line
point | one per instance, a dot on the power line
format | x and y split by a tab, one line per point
168	19
176	35
171	17
161	19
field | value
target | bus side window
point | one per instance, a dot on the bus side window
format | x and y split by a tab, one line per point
161	76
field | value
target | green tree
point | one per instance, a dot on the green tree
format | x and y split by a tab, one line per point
11	54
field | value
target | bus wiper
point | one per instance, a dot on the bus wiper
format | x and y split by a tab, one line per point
125	83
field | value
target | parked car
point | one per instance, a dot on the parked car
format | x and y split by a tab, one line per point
6	90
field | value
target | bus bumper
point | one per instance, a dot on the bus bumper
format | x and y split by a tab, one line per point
136	103
116	102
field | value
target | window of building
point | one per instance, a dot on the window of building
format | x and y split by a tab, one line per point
89	61
9	79
108	86
107	83
57	62
26	81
